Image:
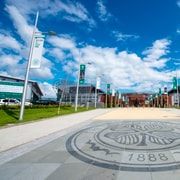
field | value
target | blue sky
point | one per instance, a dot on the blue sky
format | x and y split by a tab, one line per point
132	44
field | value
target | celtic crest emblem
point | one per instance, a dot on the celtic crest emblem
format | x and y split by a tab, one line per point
129	145
143	134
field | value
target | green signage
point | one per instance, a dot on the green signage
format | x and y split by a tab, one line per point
160	93
108	89
82	74
174	83
11	90
82	67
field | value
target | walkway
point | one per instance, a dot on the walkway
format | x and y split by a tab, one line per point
116	144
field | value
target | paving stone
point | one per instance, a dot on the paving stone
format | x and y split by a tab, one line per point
122	175
27	171
106	148
69	171
169	175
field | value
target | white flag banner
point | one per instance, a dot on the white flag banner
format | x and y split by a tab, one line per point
37	51
123	98
113	92
98	83
119	95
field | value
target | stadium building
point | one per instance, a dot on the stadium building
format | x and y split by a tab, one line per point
11	87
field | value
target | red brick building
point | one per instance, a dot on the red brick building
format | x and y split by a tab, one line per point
161	101
135	99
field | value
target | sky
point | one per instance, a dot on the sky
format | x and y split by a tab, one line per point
134	45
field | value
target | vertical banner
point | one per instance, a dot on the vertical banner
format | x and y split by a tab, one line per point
98	83
82	74
113	92
108	89
123	99
174	83
117	94
159	93
37	51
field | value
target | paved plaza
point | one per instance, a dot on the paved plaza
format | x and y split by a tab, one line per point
103	144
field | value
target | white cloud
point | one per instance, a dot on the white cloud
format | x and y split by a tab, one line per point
123	37
178	31
12	62
178	3
20	23
75	9
69	68
62	42
58	53
124	70
16	64
25	7
155	53
9	60
10	65
104	15
42	73
8	42
159	48
69	10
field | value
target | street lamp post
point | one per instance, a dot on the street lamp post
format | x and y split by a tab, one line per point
77	90
95	100
77	85
29	64
177	89
27	70
97	86
106	82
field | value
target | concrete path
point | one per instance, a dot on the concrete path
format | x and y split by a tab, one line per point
20	134
141	113
116	144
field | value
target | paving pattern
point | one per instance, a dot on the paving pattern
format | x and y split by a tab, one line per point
129	145
122	144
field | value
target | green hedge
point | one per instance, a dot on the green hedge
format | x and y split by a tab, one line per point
35	106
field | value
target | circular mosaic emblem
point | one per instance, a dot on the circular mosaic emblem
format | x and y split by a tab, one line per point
130	145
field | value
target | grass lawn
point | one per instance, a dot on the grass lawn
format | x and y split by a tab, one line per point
11	115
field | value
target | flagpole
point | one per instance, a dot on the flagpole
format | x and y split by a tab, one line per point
77	84
97	86
95	94
27	70
177	90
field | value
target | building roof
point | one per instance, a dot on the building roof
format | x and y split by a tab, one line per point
13	78
174	91
82	86
16	79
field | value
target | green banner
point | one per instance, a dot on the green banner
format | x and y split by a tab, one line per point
174	83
